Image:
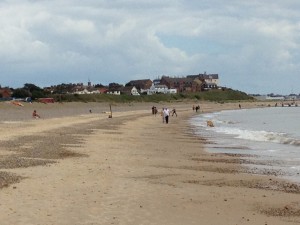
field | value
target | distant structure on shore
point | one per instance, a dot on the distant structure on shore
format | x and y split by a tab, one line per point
271	97
164	85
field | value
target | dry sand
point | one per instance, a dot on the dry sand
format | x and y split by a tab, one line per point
75	167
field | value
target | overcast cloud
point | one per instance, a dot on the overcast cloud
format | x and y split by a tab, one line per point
252	45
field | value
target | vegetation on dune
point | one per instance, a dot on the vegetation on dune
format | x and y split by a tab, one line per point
217	95
211	95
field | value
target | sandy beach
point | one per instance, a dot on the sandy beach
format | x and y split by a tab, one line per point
76	167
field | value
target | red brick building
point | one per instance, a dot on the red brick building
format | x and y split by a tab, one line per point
140	84
5	92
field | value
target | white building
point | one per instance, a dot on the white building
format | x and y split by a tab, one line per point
85	91
159	88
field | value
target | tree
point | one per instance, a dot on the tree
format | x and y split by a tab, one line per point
99	86
21	93
37	94
32	87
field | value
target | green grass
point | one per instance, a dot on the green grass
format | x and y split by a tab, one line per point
212	95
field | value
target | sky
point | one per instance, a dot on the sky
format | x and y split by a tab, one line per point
254	45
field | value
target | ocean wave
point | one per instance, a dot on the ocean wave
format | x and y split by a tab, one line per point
263	136
292	142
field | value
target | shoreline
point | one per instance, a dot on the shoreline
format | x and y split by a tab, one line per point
255	163
133	169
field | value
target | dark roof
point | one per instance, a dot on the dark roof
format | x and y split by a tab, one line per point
204	76
140	84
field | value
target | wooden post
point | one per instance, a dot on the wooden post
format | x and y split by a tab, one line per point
110	116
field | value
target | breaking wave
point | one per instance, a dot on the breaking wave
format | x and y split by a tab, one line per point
264	136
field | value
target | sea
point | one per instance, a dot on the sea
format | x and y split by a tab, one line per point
269	136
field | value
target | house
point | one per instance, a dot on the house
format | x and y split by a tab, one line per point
159	88
140	84
130	90
208	86
113	92
180	84
211	80
86	91
103	90
5	93
197	85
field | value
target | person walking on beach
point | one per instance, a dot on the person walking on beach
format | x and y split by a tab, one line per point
166	115
174	112
153	110
162	114
35	115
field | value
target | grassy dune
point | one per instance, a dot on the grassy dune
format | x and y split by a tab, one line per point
212	95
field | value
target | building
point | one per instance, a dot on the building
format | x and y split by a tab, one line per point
180	84
159	89
5	93
130	90
210	79
140	84
103	90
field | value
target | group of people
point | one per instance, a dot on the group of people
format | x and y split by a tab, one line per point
165	113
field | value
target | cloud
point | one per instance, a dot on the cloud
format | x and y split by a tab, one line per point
251	44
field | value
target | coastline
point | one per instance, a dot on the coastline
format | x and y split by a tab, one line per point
132	169
266	139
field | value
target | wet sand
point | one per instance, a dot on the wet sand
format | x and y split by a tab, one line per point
76	167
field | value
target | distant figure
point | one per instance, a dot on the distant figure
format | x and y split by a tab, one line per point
240	106
35	115
197	108
166	114
90	111
209	123
174	112
193	108
155	111
162	114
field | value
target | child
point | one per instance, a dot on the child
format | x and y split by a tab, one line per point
35	115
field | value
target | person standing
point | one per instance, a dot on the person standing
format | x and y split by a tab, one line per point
162	114
166	115
155	111
174	112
